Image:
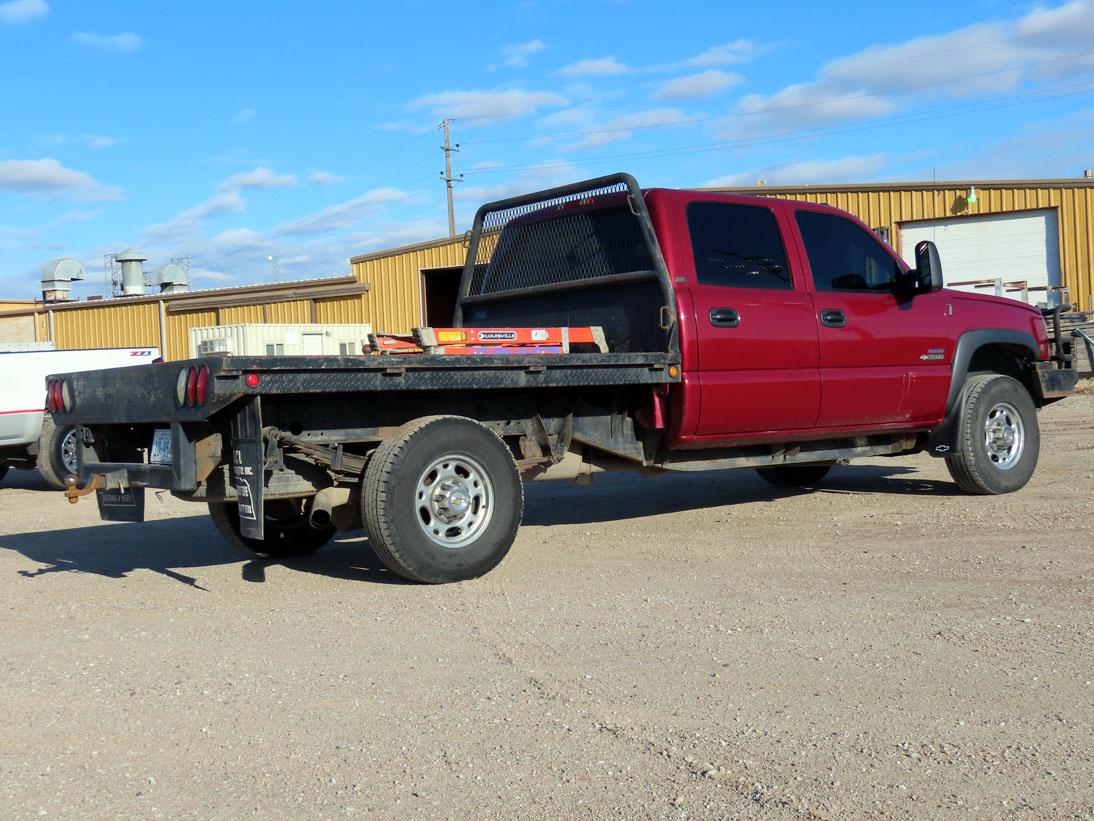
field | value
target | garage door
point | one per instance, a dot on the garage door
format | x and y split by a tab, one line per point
1020	246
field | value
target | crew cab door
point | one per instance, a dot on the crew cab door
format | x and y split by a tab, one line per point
754	320
884	355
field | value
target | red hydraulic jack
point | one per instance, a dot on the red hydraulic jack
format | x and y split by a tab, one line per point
453	341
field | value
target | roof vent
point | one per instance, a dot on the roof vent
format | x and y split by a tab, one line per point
171	278
57	278
1088	173
132	275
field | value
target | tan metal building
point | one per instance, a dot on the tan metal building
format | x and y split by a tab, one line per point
398	288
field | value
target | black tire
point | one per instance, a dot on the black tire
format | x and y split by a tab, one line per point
404	517
983	463
51	459
3	472
288	534
794	475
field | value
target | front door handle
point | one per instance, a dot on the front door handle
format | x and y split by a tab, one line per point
724	318
831	318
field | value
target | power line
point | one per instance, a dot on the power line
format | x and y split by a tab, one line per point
903	119
299	224
795	106
285	212
338	223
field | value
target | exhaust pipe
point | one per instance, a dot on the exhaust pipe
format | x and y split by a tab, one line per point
323	504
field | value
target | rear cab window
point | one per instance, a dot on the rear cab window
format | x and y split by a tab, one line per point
737	246
844	257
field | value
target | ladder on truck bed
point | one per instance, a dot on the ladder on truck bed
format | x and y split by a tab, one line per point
454	341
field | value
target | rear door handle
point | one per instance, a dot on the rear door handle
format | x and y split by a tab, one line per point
724	318
831	318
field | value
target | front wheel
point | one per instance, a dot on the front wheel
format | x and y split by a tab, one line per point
442	500
999	439
794	475
287	531
56	453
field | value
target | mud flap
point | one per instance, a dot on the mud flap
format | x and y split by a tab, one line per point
248	461
121	504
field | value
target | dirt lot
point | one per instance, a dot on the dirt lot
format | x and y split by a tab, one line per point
698	645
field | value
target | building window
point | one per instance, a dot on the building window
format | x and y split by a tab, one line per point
275	349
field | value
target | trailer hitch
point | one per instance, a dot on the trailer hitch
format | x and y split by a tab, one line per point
73	493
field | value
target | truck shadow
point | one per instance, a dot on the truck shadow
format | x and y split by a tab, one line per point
170	547
626	495
25	480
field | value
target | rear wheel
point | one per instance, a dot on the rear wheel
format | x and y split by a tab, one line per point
794	475
442	500
56	453
288	533
999	439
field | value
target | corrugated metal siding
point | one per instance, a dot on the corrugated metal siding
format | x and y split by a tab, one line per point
888	208
178	331
240	315
299	311
114	326
347	310
15	305
393	303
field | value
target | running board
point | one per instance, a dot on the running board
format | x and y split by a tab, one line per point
758	456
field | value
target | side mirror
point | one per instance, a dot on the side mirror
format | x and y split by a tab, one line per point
928	267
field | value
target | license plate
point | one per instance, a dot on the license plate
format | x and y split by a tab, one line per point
161	447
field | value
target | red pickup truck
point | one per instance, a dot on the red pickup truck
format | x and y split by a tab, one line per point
740	332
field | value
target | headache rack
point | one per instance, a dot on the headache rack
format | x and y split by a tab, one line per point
583	254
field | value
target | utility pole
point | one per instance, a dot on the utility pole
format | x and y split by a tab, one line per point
449	180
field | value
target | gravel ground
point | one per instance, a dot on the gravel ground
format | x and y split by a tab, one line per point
696	645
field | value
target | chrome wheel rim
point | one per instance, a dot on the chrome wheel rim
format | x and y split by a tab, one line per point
454	500
1004	435
68	452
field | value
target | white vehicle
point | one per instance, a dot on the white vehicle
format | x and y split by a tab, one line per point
28	437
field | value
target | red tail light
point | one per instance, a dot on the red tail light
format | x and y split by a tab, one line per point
51	395
202	384
191	386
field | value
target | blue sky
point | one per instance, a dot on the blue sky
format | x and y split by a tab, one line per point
231	132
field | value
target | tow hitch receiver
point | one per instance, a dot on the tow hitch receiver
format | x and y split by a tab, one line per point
116	504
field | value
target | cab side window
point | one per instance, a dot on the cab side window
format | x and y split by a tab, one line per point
737	245
843	257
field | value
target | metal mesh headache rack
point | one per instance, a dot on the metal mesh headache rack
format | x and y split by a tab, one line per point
586	235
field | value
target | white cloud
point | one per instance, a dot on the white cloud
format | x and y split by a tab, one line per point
99	141
602	67
622	127
516	54
18	12
695	86
739	51
245	115
230	202
325	178
807	172
487	105
48	177
259	178
533	180
96	141
982	58
120	43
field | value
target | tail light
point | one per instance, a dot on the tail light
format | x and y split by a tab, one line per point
202	385
58	396
192	386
